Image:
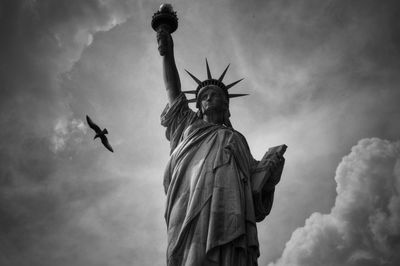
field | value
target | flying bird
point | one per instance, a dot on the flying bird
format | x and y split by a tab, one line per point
99	133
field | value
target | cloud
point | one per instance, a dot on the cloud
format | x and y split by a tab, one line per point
42	40
40	171
363	227
65	131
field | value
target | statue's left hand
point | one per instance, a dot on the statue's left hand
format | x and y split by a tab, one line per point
276	160
276	165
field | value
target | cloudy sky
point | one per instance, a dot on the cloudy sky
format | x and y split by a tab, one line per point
323	78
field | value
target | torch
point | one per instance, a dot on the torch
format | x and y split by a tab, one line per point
164	19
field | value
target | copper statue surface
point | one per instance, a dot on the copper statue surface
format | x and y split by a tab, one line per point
216	191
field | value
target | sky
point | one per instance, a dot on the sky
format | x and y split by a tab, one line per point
323	78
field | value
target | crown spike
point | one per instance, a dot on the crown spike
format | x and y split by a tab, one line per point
208	70
233	84
193	77
234	95
223	73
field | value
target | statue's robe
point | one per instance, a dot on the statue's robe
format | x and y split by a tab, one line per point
209	211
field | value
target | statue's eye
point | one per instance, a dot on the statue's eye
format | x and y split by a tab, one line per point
204	96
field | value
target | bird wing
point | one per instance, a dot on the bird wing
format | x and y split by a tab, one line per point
92	125
106	144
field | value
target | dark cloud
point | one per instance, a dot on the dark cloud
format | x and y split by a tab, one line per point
313	52
41	40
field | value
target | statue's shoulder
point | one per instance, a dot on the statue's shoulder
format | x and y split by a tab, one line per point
237	133
239	136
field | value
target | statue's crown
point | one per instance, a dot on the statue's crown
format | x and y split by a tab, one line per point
211	81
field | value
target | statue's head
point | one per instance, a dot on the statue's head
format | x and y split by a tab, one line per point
212	99
217	89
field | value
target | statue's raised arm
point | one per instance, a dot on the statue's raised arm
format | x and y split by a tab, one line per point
164	23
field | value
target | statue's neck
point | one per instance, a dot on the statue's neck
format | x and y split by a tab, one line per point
214	118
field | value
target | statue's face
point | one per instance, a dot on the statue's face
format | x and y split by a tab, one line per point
212	99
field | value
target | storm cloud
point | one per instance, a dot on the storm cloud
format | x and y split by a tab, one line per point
41	40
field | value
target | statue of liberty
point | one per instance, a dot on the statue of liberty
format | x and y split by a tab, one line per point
216	191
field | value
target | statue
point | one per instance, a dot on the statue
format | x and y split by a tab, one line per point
216	191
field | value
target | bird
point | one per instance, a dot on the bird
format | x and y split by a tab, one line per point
99	133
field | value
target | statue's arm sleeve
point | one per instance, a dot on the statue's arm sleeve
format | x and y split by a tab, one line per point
176	117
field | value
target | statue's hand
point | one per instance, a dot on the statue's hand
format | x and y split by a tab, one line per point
276	161
165	42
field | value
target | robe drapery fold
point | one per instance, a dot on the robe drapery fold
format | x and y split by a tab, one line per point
209	210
